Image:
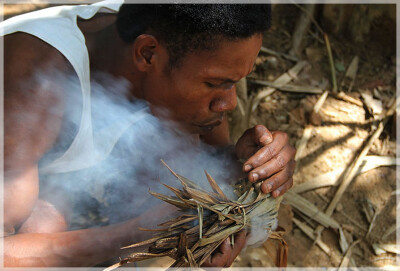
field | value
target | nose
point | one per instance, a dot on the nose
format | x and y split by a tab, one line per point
225	102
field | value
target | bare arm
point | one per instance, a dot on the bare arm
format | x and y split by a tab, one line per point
74	248
35	232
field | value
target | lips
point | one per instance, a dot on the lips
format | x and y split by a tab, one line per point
212	123
207	127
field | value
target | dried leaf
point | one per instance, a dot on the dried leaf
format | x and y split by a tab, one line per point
192	261
182	244
201	195
209	250
192	245
220	235
183	221
151	240
200	212
170	200
215	187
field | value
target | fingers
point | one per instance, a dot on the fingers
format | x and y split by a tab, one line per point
277	184
281	161
267	152
227	253
283	188
251	140
270	157
262	136
245	146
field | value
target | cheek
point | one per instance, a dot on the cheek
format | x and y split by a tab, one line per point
158	90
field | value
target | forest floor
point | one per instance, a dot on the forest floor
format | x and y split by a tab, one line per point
366	211
337	133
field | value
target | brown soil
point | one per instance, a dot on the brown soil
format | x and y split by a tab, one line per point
339	132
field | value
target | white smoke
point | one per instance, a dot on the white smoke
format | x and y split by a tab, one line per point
114	187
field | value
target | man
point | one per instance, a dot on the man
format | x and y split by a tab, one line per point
184	59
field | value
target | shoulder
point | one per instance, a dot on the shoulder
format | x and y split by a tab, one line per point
24	54
33	106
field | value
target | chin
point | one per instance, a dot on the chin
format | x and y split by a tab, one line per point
197	129
203	130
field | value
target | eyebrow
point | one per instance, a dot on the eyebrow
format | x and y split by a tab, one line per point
224	80
228	80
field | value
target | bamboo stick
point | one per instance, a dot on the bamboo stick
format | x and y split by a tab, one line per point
347	256
310	233
331	63
355	165
310	210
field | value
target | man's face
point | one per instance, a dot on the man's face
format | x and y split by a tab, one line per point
198	92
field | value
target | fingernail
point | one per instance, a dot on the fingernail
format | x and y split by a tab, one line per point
247	168
265	139
255	176
277	192
269	188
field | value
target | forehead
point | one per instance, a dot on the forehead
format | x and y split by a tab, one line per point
231	59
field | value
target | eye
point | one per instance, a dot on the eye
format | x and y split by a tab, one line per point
225	86
208	84
228	85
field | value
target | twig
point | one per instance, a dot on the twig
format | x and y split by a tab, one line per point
333	72
355	167
389	231
342	241
351	73
302	26
301	146
280	81
341	95
349	177
376	214
371	225
310	233
310	210
352	220
289	88
331	178
383	248
320	102
311	223
347	256
274	53
311	17
316	37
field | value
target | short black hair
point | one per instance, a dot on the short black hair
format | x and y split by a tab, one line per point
186	28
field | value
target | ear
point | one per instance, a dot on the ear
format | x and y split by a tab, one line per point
145	52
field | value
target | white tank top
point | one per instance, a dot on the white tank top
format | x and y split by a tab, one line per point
58	27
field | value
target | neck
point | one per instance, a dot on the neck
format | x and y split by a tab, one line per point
107	52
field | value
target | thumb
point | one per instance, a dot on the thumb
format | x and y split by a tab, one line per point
262	135
225	247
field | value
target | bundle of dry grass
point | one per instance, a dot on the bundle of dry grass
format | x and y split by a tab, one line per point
191	238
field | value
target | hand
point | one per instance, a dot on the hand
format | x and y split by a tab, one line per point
226	253
269	158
